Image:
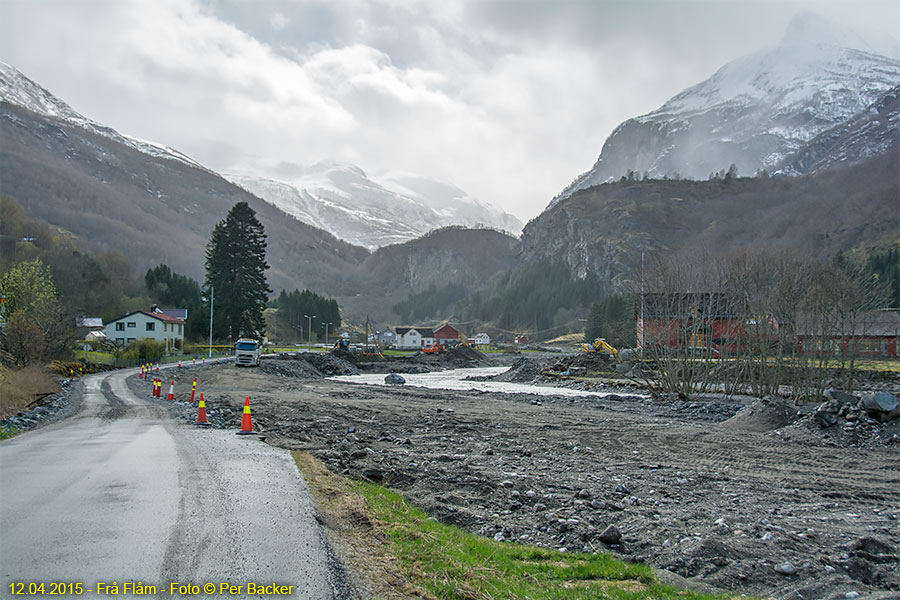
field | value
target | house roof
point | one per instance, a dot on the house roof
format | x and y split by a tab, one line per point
423	331
158	316
178	313
872	323
688	305
90	322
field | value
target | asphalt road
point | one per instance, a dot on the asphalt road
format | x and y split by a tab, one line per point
122	493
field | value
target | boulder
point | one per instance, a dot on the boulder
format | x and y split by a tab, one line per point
839	396
611	535
881	405
394	379
825	418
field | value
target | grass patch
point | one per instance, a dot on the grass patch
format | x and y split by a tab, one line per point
439	561
21	387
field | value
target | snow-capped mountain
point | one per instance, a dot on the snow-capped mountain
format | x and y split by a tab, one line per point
373	211
755	111
19	90
339	199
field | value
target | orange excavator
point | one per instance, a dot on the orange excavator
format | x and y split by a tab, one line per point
434	349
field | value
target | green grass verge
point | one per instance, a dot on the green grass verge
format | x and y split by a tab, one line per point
7	432
447	563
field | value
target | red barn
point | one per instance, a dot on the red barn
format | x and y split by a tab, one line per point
689	320
446	336
874	333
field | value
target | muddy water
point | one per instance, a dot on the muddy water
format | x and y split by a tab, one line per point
458	379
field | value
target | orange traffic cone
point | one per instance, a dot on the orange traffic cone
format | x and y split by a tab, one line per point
141	372
193	389
201	413
171	394
158	393
246	423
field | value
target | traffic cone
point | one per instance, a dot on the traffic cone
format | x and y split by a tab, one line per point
201	413
158	391
193	389
141	372
246	423
171	394
179	363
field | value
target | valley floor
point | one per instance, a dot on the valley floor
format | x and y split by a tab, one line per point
692	488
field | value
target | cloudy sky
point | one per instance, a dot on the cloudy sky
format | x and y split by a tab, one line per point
508	99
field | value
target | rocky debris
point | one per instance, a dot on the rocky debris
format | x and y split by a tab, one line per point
523	370
52	409
309	365
765	414
394	379
466	357
881	405
723	506
847	420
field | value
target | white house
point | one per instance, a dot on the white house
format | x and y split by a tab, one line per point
143	324
387	338
482	339
413	338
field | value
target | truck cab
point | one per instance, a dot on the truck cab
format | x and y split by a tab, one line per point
247	352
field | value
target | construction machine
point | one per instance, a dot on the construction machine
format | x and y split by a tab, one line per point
435	348
601	346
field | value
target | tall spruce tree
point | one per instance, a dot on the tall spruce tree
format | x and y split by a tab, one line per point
236	274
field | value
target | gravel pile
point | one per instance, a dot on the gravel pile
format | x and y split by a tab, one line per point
52	409
308	365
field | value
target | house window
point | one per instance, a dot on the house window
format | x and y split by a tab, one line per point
120	341
151	326
131	324
130	340
179	329
120	327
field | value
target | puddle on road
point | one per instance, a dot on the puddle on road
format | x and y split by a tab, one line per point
455	379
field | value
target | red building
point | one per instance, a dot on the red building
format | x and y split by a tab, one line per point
874	333
446	336
689	320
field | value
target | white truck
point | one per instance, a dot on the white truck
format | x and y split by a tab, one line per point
247	352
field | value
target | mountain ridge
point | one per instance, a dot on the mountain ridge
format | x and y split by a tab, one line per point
753	112
373	211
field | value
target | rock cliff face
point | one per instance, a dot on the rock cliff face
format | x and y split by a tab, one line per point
603	230
469	257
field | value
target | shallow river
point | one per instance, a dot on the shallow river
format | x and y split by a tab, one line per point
455	379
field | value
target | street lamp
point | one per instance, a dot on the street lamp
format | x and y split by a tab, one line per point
212	301
326	332
309	338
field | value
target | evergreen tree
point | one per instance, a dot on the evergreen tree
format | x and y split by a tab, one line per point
236	274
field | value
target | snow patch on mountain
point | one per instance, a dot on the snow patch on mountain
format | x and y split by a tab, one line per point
19	90
754	111
390	208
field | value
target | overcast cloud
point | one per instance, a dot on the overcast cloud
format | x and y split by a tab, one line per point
510	100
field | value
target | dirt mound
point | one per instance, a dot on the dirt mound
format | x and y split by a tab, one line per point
466	356
309	365
766	414
523	370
